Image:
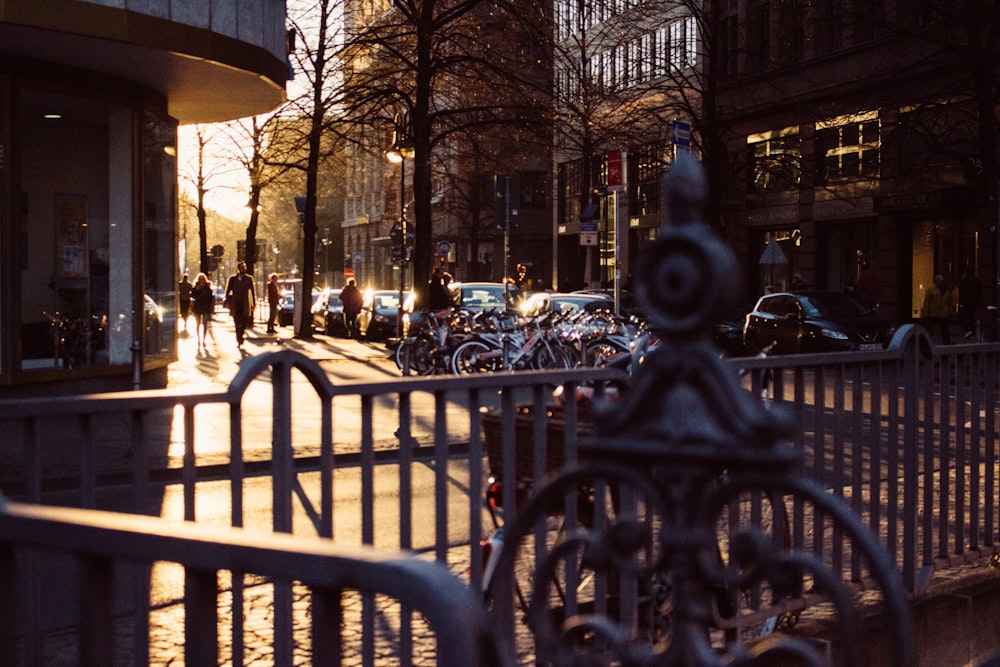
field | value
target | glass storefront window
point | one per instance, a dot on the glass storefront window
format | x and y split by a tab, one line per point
160	247
74	170
76	241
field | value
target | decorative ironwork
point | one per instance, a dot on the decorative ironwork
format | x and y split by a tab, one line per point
686	535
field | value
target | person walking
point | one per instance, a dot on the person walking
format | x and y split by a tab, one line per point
350	296
240	299
970	293
202	303
438	296
184	300
273	300
937	309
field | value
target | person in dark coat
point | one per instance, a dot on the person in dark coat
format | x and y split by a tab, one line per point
273	301
438	295
351	297
202	304
241	299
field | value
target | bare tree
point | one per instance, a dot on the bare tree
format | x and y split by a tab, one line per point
437	65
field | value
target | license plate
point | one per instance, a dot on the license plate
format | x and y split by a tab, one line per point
870	346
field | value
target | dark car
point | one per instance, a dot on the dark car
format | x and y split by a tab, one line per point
814	321
328	313
540	303
379	314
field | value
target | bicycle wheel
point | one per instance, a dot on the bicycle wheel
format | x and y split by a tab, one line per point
602	350
558	565
749	521
474	356
414	356
550	357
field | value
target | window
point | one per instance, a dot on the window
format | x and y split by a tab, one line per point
533	189
775	160
646	165
847	148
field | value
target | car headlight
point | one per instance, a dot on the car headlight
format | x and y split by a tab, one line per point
835	335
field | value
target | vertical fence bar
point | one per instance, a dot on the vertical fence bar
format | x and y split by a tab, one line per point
88	464
911	443
95	612
476	490
974	432
190	475
990	459
930	428
874	439
860	446
893	445
367	524
201	637
326	463
945	449
237	473
961	455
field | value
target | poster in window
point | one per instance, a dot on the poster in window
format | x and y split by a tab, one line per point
71	236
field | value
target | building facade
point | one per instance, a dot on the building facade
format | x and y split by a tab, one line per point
91	94
861	137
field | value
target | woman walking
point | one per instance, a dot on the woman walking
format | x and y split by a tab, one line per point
202	304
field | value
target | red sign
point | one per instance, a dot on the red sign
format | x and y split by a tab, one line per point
348	274
614	169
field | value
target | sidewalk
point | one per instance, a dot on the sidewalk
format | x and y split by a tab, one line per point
220	361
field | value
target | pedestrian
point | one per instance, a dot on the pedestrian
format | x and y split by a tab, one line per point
184	300
273	301
438	295
351	297
797	282
868	291
970	293
202	303
937	309
240	300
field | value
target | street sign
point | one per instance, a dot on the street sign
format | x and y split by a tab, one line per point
444	247
682	133
348	274
588	238
357	257
588	226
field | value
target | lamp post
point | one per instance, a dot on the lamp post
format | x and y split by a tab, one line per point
402	148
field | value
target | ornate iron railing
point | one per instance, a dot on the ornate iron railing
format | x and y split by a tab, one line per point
685	535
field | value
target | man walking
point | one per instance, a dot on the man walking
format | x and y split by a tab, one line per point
273	300
240	299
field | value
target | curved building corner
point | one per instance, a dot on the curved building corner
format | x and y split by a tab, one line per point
91	94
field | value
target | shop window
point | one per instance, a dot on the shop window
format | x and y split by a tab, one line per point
847	149
159	246
74	231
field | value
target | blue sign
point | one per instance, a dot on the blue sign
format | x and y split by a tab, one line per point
357	258
682	133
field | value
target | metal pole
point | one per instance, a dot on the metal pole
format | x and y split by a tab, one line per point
402	248
506	241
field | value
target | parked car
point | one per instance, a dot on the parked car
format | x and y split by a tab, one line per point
481	296
219	291
286	309
543	302
379	314
814	321
328	313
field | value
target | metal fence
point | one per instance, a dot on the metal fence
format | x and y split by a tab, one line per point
907	436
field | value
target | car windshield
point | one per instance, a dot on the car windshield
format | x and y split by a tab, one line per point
387	301
832	306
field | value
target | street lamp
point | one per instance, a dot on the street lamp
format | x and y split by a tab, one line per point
402	148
